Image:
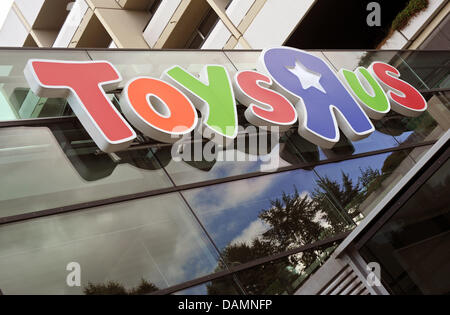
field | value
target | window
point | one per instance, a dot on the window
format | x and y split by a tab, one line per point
209	20
59	165
152	8
144	244
412	247
263	216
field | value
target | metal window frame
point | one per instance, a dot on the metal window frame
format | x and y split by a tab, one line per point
180	188
427	171
231	270
410	182
429	165
246	266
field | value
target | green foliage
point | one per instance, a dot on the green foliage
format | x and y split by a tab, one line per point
143	288
411	10
292	223
298	219
110	288
293	220
115	288
344	194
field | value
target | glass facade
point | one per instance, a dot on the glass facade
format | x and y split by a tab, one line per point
413	246
138	221
155	239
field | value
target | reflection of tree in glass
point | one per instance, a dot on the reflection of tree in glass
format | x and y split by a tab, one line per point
343	193
295	220
115	288
350	195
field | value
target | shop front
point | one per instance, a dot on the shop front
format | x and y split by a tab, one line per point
201	172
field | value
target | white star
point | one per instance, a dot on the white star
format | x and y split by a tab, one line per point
307	77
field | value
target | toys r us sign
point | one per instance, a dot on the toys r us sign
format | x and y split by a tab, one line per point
291	85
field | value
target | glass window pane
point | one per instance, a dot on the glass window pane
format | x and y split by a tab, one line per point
350	60
257	217
132	64
222	286
428	126
308	152
358	185
431	66
59	165
284	276
16	100
412	247
117	246
244	60
253	150
380	139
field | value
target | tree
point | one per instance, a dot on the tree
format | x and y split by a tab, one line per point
293	223
295	220
115	288
343	194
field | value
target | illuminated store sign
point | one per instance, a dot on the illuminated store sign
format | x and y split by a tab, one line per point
291	85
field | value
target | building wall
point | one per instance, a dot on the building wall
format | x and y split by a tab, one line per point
275	22
139	213
13	32
244	24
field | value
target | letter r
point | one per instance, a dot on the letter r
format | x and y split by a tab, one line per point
82	83
323	103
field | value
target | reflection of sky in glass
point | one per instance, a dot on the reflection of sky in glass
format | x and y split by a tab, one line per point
352	167
155	239
404	136
183	173
203	288
198	290
376	141
229	211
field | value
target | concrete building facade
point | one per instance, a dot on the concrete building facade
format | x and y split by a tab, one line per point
195	24
140	219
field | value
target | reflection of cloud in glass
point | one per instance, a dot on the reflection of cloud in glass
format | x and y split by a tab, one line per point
227	210
231	195
183	173
253	231
334	171
153	238
31	154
